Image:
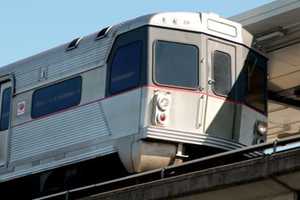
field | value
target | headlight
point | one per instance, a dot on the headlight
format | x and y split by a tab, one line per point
163	103
261	127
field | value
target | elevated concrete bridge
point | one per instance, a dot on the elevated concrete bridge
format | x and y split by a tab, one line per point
275	177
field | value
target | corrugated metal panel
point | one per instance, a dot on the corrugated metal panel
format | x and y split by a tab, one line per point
59	63
27	79
79	125
90	55
104	150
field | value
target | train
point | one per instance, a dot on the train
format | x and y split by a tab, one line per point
155	90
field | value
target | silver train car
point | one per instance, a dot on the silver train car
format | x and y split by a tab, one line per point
147	89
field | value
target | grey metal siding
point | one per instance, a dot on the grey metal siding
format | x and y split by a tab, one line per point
75	126
88	54
59	63
26	79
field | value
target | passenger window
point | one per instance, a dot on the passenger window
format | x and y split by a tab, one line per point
176	64
5	111
222	73
125	67
56	97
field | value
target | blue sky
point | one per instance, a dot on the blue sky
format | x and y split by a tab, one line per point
28	27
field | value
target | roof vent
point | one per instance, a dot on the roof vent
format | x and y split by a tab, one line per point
74	44
102	33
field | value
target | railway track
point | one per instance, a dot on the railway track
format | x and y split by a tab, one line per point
221	159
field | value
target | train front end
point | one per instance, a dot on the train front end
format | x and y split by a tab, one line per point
203	92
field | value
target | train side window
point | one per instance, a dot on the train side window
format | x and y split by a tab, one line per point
176	64
125	67
255	81
6	101
221	73
56	97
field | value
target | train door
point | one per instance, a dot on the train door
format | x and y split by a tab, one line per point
5	108
220	108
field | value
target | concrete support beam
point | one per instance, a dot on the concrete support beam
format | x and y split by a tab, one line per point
282	10
265	178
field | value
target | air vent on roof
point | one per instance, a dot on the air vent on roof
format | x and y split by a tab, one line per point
74	44
102	33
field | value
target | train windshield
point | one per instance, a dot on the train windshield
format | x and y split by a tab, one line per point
176	64
255	82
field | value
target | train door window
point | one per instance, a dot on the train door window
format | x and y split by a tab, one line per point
56	97
176	64
5	109
221	73
126	67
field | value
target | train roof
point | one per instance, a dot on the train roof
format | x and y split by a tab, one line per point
208	23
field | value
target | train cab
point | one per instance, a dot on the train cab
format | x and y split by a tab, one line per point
205	88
